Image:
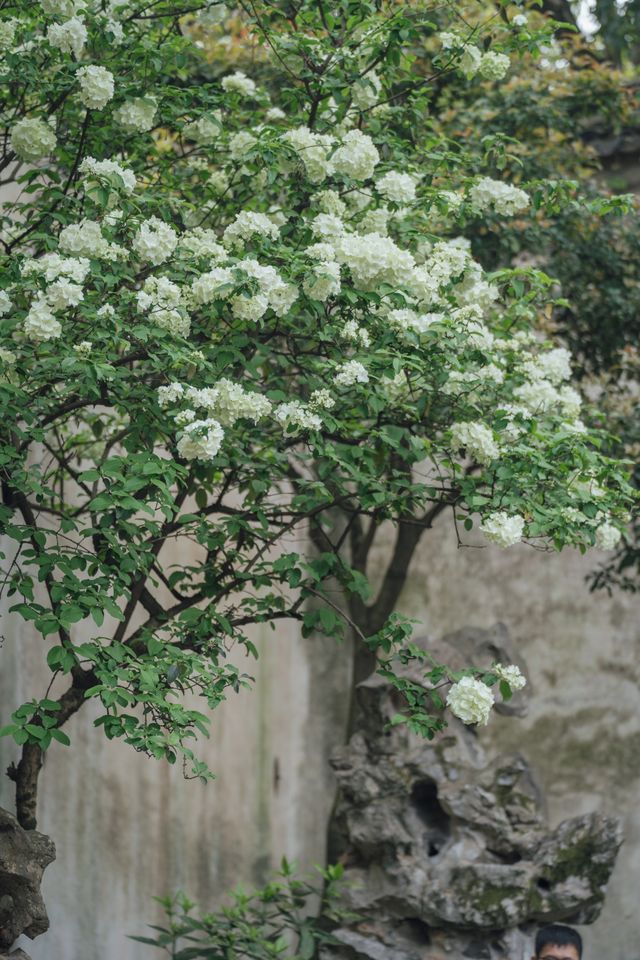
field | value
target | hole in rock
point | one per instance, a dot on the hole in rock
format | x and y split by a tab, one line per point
415	931
425	804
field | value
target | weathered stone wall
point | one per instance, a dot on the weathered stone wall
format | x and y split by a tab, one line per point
127	828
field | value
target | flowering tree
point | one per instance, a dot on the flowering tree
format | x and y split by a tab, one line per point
235	322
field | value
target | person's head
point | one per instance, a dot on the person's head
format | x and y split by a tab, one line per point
557	942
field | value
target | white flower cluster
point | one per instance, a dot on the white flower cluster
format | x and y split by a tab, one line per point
52	265
477	439
8	33
225	403
407	320
96	87
201	242
324	282
162	300
312	150
155	241
494	66
329	201
503	529
470	700
273	292
228	401
350	373
69	37
322	399
510	674
32	139
297	415
553	365
239	83
352	330
357	157
204	130
607	536
64	277
365	92
373	260
248	224
490	65
399	187
216	284
40	323
136	115
503	198
85	239
5	303
105	168
201	440
240	143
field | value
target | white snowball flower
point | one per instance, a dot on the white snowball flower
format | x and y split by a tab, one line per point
538	396
69	37
505	199
201	242
520	20
5	303
85	239
470	61
313	150
170	394
400	187
494	66
322	399
248	224
32	139
204	130
8	33
553	365
240	83
83	349
274	113
351	372
503	529
477	439
104	168
155	241
357	158
470	700
62	293
239	144
365	92
511	675
324	282
137	115
201	440
296	414
217	284
373	259
52	265
40	323
96	87
607	536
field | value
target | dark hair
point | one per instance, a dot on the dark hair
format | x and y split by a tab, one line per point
557	935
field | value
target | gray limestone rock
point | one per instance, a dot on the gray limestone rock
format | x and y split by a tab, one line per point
24	855
445	853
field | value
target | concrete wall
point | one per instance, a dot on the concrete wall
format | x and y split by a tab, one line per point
128	828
